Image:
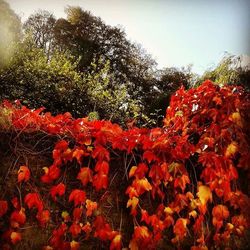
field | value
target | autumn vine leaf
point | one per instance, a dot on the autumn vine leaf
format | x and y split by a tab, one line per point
91	206
43	217
15	237
78	196
23	174
57	190
75	229
116	242
18	218
33	200
133	202
204	193
85	175
3	207
180	229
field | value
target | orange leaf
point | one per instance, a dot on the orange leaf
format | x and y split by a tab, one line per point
87	229
141	185
180	228
78	196
116	242
85	175
74	245
57	190
131	191
132	171
23	174
142	232
133	203
15	237
78	154
91	206
133	245
220	212
3	207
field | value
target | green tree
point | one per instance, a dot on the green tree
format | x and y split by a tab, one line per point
10	31
230	70
41	26
166	82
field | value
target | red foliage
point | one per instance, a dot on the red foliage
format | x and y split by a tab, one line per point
190	169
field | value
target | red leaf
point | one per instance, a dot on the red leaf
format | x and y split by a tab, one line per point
43	217
23	174
3	207
78	196
101	153
75	229
77	213
85	175
15	203
181	182
33	200
91	206
102	229
102	167
18	218
57	190
100	181
141	170
149	156
51	173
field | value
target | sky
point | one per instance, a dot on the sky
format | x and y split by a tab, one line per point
175	32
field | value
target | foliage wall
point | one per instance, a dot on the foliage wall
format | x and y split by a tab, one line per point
78	183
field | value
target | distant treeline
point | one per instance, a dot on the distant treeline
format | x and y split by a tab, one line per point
84	66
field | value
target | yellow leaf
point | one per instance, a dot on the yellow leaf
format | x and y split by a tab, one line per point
193	214
204	194
231	149
168	210
236	118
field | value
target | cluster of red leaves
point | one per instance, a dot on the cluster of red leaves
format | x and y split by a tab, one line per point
190	167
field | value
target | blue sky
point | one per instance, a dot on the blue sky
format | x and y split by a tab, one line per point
175	32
